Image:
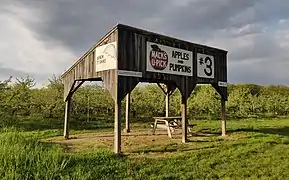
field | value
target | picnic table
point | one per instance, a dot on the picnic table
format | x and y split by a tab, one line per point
170	124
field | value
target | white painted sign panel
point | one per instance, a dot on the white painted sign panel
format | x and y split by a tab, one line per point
105	57
129	73
205	66
169	60
222	84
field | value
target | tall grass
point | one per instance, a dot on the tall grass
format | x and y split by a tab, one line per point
24	157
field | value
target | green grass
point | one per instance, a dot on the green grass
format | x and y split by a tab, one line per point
24	157
253	149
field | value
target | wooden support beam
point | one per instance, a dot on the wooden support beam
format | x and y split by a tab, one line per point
223	106
117	127
67	117
127	112
68	89
73	88
78	84
164	91
167	103
184	119
167	94
168	91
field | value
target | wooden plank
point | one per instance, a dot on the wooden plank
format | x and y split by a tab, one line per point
67	118
90	65
184	119
137	51
167	103
169	129
176	117
68	89
114	88
127	112
223	106
168	93
86	66
117	127
131	61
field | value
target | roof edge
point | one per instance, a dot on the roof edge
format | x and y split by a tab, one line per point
90	50
120	25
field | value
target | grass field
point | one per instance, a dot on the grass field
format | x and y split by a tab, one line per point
253	149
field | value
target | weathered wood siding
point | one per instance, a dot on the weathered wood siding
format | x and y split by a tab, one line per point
85	69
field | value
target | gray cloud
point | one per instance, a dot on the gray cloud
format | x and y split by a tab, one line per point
79	24
74	21
261	46
248	29
205	17
259	72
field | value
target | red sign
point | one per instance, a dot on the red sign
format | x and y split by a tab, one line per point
158	58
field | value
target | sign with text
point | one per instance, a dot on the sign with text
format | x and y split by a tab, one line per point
169	60
205	67
105	57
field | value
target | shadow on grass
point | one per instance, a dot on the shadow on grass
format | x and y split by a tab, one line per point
172	149
198	140
283	131
205	132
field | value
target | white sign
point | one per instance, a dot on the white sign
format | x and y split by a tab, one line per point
129	73
206	66
222	84
105	57
169	60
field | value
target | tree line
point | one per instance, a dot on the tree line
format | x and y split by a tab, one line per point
20	98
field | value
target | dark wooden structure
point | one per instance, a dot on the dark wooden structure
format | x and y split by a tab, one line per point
126	56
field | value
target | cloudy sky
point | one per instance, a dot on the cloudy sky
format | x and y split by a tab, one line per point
42	38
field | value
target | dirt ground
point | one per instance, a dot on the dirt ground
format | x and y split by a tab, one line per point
137	142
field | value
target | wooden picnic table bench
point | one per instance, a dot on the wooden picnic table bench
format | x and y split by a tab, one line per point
169	123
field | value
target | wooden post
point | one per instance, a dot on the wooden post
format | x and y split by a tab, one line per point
167	103
67	118
184	119
223	104
88	108
117	127
127	108
167	94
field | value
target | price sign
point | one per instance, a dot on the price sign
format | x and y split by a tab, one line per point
206	68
